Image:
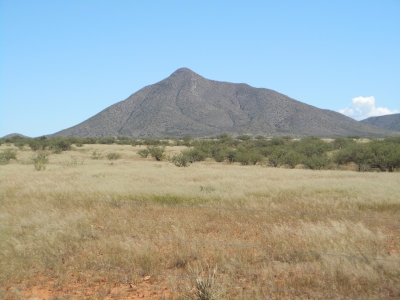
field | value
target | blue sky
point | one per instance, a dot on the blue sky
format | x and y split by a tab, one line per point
62	62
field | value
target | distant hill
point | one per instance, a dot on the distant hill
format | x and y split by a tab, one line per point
13	135
186	103
389	122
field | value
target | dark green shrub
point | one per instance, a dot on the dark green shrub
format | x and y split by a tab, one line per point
317	162
219	153
275	158
107	140
231	156
290	159
312	146
195	154
248	156
360	154
89	141
277	141
386	156
341	143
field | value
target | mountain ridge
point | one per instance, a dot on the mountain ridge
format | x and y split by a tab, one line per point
388	122
185	103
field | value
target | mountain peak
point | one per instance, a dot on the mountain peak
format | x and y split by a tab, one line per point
186	103
184	72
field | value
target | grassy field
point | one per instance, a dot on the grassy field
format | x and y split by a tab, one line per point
88	227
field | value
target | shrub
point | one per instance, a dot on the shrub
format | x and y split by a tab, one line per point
248	157
360	154
113	155
317	162
277	141
7	155
40	161
231	156
181	160
96	155
312	146
275	158
244	137
195	154
156	152
144	153
219	154
107	140
291	159
34	144
57	150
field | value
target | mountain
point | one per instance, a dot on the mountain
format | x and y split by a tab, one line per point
186	103
389	122
15	135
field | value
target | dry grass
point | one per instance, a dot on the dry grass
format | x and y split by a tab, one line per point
96	228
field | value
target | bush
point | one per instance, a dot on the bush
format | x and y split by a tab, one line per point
360	154
96	155
248	157
107	140
156	152
244	137
113	155
195	154
181	160
317	162
34	144
40	161
231	156
219	154
7	155
275	158
291	159
312	146
144	153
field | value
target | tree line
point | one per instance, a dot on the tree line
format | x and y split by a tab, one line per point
309	152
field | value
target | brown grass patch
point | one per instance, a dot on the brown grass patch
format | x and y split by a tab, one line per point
97	228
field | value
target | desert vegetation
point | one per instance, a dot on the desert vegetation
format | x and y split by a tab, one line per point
250	218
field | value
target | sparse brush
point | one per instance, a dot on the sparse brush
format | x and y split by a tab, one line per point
181	160
7	155
203	288
274	233
157	152
40	160
96	155
113	155
144	153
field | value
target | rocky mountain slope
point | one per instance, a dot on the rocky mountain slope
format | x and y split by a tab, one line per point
185	103
388	122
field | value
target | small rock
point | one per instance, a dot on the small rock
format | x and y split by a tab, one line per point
147	278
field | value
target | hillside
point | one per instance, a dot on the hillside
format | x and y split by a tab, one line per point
388	122
185	103
15	135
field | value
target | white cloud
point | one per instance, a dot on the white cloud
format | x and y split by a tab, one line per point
364	107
